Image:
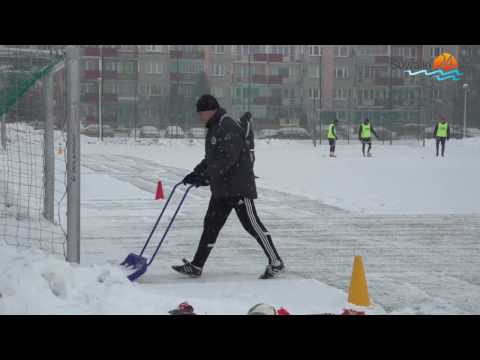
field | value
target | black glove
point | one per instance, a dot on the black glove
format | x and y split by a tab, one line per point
194	179
190	179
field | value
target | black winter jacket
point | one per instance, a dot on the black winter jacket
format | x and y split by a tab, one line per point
227	164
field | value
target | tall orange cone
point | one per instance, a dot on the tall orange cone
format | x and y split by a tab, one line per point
159	194
358	292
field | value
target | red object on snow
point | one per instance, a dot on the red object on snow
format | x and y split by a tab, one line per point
159	194
352	312
282	311
183	309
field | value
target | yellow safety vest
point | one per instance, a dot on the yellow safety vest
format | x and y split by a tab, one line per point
331	134
366	131
442	130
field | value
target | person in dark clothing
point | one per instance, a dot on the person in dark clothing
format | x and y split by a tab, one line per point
228	169
364	135
441	133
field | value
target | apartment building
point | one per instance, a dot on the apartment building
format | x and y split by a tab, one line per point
469	60
282	85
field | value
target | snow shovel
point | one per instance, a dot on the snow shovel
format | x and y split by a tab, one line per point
137	263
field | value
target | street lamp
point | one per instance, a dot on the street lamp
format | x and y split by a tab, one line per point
465	87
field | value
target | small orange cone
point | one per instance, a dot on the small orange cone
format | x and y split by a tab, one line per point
60	151
159	194
358	292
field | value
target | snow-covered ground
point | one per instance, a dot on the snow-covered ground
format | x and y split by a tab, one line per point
35	283
413	217
404	178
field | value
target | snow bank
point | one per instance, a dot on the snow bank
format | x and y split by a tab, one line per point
33	282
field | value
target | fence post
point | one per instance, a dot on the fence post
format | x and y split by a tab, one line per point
73	153
3	130
48	150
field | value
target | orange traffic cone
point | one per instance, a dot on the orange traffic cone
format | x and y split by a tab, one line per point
60	151
358	292
159	194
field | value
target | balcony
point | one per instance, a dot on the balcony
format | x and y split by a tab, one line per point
109	97
89	98
174	76
109	52
91	51
109	75
382	60
268	57
267	100
263	79
382	81
177	54
91	74
95	51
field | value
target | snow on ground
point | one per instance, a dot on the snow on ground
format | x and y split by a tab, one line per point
403	178
413	217
35	283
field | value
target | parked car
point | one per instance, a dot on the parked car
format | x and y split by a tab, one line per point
196	133
473	132
149	132
93	130
38	125
267	133
174	131
384	133
292	133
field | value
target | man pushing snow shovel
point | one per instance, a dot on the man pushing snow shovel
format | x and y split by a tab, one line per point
228	169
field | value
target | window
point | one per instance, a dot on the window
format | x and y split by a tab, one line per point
244	50
314	71
218	91
341	94
111	88
315	50
90	64
128	67
218	70
314	93
341	51
341	73
127	89
153	68
436	51
219	49
153	48
88	88
467	51
89	110
187	91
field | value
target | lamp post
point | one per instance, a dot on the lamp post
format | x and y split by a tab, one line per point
465	87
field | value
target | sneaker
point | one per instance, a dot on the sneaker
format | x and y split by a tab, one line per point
273	271
188	269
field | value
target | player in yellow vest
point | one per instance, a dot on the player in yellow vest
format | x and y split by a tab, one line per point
364	135
441	133
332	136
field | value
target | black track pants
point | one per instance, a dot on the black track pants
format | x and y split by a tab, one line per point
217	214
441	141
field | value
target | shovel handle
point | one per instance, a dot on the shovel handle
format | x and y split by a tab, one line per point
160	216
170	224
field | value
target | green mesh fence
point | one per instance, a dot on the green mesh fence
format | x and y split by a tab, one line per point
23	154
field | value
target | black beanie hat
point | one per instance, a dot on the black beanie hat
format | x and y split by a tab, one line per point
206	103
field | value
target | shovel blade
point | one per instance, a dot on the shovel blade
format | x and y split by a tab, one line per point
136	265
